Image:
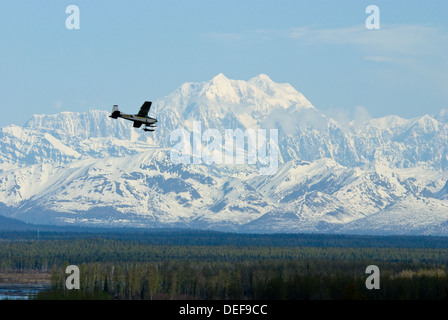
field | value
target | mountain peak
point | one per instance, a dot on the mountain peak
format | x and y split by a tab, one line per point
220	89
262	77
442	116
219	78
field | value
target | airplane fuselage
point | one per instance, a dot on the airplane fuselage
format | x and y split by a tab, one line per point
137	118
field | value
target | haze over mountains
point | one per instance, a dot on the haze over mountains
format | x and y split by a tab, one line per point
372	176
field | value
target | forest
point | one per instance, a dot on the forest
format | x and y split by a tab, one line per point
179	264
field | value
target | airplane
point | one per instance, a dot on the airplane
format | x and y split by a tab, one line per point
138	119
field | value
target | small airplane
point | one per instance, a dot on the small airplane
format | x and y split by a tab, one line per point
138	119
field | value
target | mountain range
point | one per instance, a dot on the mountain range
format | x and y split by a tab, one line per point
370	176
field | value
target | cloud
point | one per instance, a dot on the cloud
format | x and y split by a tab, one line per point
399	43
58	104
360	116
350	119
378	58
400	38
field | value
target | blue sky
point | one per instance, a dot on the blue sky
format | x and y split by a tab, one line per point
126	52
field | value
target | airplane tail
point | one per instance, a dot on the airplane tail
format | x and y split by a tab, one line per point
115	112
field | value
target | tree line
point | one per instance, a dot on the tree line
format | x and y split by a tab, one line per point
269	279
43	254
130	267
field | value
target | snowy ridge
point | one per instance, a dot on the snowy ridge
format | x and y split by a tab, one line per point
381	176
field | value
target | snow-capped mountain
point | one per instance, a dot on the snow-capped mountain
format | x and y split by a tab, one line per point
380	176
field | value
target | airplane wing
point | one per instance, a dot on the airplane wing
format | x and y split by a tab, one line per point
145	109
137	124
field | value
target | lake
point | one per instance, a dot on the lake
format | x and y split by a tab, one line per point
20	291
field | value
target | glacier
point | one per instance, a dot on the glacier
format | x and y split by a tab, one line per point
372	176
